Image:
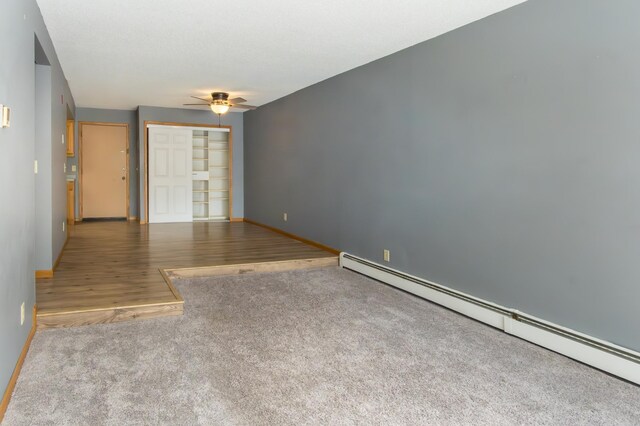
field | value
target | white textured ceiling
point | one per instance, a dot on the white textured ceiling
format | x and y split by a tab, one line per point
121	54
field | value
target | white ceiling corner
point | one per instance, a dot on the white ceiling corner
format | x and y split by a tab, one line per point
121	54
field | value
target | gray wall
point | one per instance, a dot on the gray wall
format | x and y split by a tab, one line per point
61	102
129	117
176	115
52	100
19	20
43	197
500	159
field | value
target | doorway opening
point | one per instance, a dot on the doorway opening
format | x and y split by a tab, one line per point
43	151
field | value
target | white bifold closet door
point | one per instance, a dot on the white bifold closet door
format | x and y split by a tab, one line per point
170	180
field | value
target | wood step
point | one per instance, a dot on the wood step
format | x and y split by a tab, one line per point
251	268
107	315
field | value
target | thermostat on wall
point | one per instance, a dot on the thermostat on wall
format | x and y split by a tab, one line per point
5	112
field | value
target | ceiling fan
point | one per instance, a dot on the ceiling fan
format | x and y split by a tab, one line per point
220	102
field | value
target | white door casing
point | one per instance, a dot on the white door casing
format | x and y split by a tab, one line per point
170	180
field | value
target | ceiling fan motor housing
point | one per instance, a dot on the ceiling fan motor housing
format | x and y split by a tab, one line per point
220	96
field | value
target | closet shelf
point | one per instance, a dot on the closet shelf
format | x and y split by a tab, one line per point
211	203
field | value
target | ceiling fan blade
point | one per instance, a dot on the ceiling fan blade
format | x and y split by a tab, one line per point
237	100
202	99
243	106
197	104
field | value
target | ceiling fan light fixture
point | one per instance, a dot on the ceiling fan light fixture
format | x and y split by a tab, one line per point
219	107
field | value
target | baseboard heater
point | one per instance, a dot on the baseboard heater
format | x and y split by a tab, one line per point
598	353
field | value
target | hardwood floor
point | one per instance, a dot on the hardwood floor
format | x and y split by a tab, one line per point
111	271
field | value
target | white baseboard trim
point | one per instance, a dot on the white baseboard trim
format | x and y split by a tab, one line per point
606	356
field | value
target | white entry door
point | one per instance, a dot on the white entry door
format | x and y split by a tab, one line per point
170	180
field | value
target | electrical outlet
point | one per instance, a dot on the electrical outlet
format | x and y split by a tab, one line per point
63	139
285	217
387	255
35	166
22	313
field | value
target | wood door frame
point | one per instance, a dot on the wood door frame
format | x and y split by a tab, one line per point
81	169
71	124
146	160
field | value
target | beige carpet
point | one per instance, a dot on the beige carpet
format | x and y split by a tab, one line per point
307	347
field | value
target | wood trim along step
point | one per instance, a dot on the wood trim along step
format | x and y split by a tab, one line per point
172	288
16	371
294	236
248	268
109	315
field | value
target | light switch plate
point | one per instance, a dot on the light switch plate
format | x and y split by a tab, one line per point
5	116
73	167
